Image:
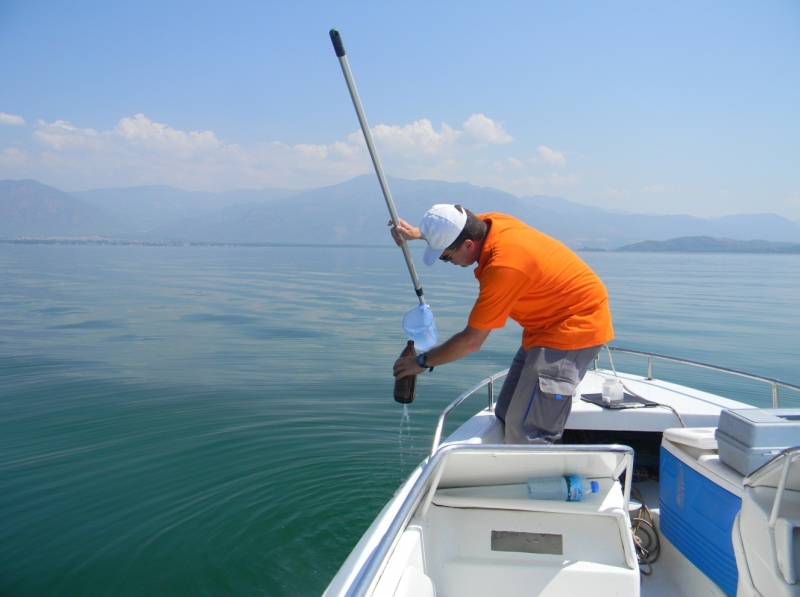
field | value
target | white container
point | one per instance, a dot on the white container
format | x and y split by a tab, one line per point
612	390
420	327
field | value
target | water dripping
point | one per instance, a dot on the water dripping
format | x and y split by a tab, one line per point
406	440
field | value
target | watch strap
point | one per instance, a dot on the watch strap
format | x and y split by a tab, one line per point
422	361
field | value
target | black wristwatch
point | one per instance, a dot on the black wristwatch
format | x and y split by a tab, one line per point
422	361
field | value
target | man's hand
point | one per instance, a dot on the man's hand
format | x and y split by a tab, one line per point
463	343
405	366
404	230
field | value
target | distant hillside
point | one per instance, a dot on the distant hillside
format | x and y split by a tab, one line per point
29	208
147	208
707	244
353	212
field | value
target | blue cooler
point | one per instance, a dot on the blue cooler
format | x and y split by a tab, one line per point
699	498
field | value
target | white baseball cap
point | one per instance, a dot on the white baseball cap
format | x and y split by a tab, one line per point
441	226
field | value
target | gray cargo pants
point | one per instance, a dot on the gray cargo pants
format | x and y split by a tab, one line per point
536	398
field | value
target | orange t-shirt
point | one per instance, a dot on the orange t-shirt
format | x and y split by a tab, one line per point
542	285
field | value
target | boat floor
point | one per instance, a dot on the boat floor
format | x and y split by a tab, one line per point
661	582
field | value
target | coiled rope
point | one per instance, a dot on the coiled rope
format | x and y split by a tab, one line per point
645	535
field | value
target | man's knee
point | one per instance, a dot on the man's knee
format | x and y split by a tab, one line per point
510	384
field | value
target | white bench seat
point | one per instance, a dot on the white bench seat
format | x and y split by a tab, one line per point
593	536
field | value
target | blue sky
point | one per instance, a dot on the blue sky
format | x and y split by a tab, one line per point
670	107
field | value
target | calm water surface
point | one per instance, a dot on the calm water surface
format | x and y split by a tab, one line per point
219	421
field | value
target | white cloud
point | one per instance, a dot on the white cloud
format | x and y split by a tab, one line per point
615	192
656	188
417	137
311	152
11	119
557	180
12	156
141	131
420	139
61	135
137	150
552	156
486	130
137	132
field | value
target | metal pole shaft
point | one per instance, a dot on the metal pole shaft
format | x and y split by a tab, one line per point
387	195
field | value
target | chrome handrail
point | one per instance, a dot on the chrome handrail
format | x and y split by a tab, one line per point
437	436
789	456
775	383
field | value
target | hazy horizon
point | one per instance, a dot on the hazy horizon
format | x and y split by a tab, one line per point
673	108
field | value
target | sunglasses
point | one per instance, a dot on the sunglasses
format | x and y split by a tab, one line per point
446	258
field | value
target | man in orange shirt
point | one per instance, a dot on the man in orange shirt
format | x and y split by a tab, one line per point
538	282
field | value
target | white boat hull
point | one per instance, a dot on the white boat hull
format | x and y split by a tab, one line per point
463	525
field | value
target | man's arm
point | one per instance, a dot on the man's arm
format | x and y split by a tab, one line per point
463	343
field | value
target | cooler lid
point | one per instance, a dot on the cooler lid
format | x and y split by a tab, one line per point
695	437
758	427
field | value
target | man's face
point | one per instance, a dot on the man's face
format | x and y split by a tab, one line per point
463	255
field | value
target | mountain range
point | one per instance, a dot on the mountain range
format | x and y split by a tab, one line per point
353	212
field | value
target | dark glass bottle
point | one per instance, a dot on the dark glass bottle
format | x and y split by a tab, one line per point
405	387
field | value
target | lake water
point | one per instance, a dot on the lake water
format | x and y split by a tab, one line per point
187	421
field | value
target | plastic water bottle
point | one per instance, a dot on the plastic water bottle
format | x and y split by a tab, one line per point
565	489
405	387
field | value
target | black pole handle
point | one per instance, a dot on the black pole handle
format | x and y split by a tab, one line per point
338	46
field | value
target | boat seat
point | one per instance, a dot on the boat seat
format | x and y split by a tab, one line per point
494	540
766	551
772	555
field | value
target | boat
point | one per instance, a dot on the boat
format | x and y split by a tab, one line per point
672	514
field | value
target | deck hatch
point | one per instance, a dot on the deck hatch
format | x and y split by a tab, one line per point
544	543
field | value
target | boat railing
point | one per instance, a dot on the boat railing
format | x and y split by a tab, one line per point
775	383
489	381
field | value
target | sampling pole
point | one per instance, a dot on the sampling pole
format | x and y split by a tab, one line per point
362	119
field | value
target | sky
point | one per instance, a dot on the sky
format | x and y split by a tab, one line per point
649	107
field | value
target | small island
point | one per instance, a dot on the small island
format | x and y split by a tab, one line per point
708	244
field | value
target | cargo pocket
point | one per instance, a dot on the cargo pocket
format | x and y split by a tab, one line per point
551	404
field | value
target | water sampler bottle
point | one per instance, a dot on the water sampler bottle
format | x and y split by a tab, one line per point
569	488
405	387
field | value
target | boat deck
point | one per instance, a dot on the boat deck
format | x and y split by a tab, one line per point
672	575
431	537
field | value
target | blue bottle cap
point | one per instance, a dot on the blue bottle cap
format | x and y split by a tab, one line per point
595	487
